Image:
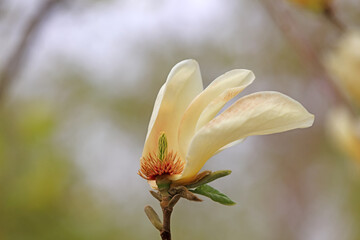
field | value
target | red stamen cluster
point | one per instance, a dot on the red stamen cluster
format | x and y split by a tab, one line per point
151	166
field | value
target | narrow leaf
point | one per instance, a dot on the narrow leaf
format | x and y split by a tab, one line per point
213	194
209	178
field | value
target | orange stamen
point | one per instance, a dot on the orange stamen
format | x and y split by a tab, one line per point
151	166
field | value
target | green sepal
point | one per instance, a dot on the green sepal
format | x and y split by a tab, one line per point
163	184
213	194
209	178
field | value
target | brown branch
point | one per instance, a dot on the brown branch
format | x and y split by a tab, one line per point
165	233
330	15
169	197
12	66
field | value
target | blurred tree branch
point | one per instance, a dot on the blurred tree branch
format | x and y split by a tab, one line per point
15	61
309	55
330	14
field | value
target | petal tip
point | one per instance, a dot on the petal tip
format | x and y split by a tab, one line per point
187	67
241	72
187	63
310	120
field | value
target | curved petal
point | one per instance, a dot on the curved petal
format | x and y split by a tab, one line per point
155	111
182	85
256	114
210	101
230	145
216	105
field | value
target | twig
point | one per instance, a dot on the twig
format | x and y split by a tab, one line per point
329	13
168	197
165	232
12	66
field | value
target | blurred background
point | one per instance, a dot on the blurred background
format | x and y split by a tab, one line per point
77	86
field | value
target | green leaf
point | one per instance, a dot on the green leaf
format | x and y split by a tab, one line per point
213	194
209	178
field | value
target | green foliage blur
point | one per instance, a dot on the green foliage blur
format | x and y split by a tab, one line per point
41	195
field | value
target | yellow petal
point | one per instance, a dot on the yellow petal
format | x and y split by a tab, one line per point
156	109
206	105
230	145
256	114
182	85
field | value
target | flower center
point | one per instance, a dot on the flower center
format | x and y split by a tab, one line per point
151	166
162	163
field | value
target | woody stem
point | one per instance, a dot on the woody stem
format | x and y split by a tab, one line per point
167	204
165	233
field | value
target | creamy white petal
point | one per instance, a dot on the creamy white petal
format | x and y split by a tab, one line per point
256	114
155	109
182	85
210	101
216	105
230	145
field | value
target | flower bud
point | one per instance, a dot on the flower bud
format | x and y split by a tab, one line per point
153	217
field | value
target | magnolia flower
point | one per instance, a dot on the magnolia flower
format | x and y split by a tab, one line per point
344	131
344	65
185	129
